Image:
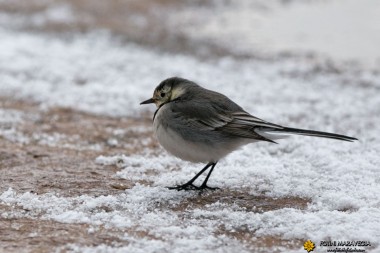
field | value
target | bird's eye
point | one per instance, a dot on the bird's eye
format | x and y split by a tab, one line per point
162	94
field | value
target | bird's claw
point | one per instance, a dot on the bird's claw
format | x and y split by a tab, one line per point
205	187
185	187
191	187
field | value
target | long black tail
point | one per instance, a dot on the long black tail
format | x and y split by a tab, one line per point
297	131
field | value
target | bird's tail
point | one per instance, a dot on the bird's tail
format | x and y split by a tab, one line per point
273	133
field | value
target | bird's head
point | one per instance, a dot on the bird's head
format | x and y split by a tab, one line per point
168	90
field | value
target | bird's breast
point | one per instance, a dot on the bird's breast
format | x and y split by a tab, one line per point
205	150
174	143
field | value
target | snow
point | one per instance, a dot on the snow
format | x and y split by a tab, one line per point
96	73
9	119
44	70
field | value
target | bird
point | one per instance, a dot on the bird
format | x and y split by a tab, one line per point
203	126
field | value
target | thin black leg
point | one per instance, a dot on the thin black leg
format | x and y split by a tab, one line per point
204	184
189	185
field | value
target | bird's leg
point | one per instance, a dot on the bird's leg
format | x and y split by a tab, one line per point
204	184
189	185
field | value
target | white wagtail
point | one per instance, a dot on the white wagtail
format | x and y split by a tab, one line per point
203	126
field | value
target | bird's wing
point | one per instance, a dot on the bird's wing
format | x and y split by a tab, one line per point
244	118
199	115
232	120
244	125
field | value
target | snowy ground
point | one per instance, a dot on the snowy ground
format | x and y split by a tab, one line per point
74	98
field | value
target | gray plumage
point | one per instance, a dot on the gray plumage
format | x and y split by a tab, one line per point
200	125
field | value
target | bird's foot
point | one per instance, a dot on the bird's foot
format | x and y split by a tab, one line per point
206	187
191	187
184	187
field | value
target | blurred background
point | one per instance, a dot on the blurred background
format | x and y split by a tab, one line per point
56	44
341	30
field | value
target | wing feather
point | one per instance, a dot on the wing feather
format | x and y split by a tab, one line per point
235	122
245	118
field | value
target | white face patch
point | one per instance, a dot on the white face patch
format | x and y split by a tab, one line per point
177	92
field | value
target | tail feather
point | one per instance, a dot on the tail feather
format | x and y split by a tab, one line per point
297	131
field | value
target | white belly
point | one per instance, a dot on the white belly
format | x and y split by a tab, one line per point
189	150
180	148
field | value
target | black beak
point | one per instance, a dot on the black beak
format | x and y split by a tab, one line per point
149	101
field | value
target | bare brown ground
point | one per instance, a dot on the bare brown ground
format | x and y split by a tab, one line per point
69	169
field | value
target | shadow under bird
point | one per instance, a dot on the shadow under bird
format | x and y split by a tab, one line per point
203	126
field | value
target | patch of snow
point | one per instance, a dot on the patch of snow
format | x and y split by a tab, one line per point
205	243
10	116
147	207
9	119
14	136
59	13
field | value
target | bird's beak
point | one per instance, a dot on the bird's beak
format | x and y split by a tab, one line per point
149	101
